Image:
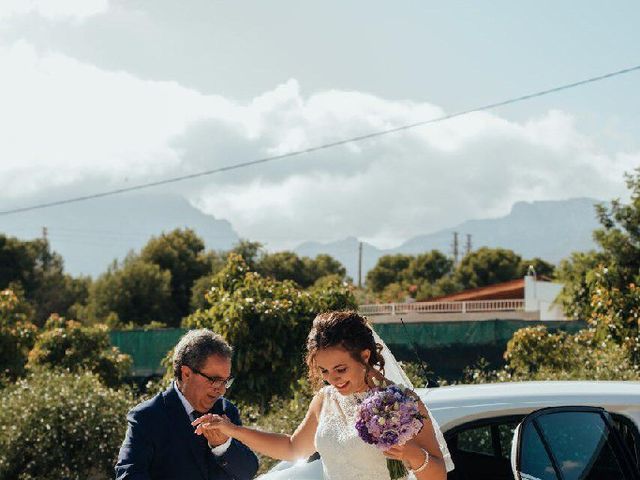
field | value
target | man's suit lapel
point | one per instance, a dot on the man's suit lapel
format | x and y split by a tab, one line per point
182	424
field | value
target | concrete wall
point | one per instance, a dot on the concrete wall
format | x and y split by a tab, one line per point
539	296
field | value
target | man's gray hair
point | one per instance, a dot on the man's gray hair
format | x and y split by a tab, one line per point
195	347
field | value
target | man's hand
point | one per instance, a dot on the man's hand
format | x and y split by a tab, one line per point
213	428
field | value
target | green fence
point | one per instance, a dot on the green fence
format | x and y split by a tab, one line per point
146	347
447	347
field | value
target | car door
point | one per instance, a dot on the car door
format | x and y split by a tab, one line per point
570	443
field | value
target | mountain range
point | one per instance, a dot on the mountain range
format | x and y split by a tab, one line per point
550	230
90	235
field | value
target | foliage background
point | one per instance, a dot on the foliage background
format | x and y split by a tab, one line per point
57	425
63	387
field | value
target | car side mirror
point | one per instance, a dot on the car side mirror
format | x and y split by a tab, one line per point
569	443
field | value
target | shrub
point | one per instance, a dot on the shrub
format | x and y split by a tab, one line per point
418	373
532	347
536	354
72	346
56	425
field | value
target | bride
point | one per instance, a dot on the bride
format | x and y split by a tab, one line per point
344	352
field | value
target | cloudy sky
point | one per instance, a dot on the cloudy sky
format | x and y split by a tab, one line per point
104	94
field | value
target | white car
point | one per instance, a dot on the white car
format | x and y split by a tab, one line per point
539	430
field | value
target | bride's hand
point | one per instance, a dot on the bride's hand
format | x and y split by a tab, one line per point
216	428
409	453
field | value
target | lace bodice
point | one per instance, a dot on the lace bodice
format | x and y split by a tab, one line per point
344	455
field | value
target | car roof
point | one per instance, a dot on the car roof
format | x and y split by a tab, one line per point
453	405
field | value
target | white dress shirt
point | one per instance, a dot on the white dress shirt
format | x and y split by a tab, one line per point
220	449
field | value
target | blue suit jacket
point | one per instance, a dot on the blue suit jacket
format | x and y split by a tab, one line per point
161	444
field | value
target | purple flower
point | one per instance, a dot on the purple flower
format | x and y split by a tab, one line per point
388	417
389	438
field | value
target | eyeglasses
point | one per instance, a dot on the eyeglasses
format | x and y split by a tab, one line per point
215	381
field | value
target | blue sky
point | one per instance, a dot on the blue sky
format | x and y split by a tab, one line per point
108	92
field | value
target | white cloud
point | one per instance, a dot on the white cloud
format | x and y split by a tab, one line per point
390	188
53	9
64	123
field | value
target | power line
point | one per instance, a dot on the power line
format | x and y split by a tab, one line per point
325	146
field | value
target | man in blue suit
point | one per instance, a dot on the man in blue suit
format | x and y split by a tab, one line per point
160	442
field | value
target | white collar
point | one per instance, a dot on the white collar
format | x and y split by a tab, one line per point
185	403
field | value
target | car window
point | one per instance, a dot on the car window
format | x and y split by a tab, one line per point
481	450
578	443
476	440
536	463
505	434
492	437
630	437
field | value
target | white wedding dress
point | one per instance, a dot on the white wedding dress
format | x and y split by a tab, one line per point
343	454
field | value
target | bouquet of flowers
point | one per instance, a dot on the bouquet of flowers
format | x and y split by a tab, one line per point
387	417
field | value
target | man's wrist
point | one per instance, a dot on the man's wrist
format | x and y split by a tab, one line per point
222	448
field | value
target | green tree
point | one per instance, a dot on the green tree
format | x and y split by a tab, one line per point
267	322
541	267
72	346
619	236
135	292
572	272
18	260
389	269
428	267
615	312
487	266
619	251
17	335
32	267
324	265
249	251
619	242
443	286
304	271
216	262
182	253
284	266
60	293
396	292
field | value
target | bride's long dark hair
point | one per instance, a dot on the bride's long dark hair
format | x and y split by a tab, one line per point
346	329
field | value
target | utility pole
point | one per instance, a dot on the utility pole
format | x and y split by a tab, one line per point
455	248
360	265
45	255
468	247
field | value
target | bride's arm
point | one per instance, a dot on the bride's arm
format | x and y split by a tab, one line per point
299	445
412	452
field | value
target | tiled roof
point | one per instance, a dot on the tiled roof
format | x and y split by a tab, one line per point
513	289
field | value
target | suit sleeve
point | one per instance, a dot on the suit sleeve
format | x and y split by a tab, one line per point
238	461
136	452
